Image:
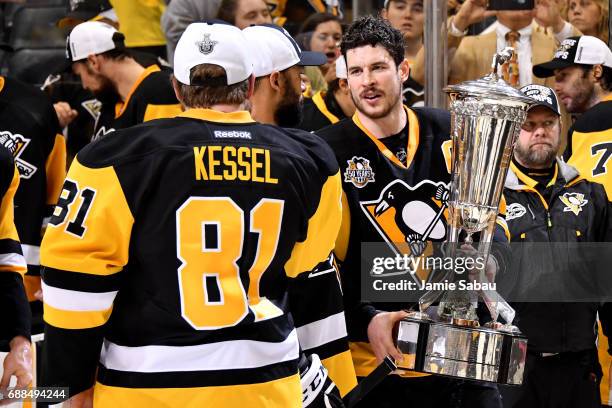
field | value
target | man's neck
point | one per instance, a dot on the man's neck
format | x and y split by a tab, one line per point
598	95
261	108
124	75
386	126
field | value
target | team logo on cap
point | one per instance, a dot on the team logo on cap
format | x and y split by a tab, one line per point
563	50
358	172
573	202
207	45
16	144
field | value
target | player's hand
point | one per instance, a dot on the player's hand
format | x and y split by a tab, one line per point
490	267
18	363
471	12
83	399
380	335
65	114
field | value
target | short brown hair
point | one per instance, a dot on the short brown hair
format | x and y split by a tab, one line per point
215	91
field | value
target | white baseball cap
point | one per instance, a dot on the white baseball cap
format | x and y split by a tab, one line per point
341	71
583	50
91	38
272	49
212	42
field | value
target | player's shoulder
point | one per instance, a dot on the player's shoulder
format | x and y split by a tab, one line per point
596	119
306	146
133	143
434	123
340	133
156	86
30	99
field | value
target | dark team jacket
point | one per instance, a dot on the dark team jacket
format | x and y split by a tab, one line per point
151	97
589	144
202	231
576	211
320	111
30	130
373	179
13	301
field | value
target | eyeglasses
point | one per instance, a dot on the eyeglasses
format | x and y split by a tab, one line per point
530	126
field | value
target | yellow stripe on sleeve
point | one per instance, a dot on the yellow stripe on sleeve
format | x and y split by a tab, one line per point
341	371
68	319
55	168
323	229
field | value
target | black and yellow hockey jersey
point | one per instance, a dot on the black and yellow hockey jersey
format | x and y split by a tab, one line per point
320	111
377	188
151	97
589	144
180	247
29	129
13	302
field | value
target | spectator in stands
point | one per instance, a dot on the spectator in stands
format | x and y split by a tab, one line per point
140	23
86	10
180	13
331	106
130	94
473	57
278	66
408	17
243	13
325	34
590	17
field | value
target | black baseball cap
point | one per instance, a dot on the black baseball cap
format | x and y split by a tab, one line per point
84	10
583	50
543	95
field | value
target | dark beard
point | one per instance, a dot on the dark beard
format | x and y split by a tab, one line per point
290	112
531	158
107	93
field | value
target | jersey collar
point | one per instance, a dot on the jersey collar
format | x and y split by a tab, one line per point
210	115
413	139
120	106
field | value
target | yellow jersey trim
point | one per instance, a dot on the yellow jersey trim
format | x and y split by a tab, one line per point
413	139
69	319
120	106
317	99
217	116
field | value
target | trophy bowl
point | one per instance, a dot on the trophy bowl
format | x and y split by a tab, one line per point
486	117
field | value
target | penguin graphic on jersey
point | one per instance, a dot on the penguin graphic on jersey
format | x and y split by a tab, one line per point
409	217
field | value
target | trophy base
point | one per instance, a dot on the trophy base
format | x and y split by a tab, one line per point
492	354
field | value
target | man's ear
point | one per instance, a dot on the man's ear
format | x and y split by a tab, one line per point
93	61
343	85
404	70
251	90
597	72
275	81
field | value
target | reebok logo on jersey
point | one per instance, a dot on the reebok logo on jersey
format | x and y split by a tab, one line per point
16	144
232	134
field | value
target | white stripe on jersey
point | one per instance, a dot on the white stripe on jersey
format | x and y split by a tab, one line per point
31	253
322	331
76	301
12	259
223	355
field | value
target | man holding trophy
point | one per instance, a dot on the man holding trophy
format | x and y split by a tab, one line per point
396	165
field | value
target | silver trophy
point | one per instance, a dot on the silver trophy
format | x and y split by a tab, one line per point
486	117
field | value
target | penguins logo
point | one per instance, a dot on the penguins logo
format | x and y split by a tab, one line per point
358	172
515	210
409	217
573	202
16	144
